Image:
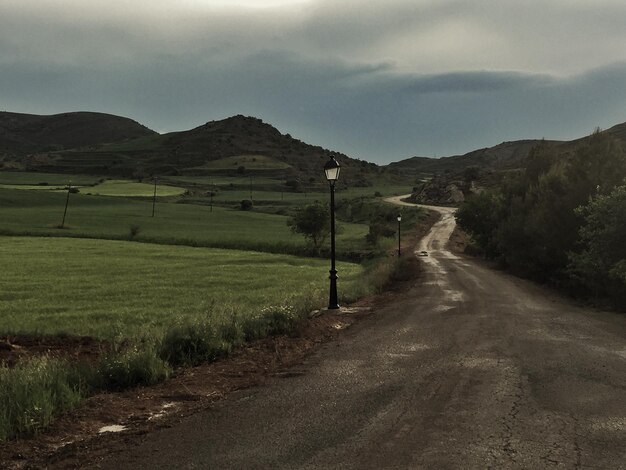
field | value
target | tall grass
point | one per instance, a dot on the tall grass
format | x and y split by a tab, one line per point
34	392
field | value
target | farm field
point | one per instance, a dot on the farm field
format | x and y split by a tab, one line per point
127	188
38	213
36	178
87	184
100	287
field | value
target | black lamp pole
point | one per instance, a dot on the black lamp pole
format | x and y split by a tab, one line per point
332	173
399	219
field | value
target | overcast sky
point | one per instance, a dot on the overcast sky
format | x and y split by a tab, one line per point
378	80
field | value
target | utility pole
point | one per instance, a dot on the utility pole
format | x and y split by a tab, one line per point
67	201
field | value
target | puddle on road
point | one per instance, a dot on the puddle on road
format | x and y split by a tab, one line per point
454	295
484	363
416	347
163	411
112	428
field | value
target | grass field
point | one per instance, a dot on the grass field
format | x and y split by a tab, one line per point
86	184
54	179
93	287
39	213
160	304
127	188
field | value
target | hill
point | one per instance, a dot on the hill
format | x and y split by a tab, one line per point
449	180
504	156
23	134
236	145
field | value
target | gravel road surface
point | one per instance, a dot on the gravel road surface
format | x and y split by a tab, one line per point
472	368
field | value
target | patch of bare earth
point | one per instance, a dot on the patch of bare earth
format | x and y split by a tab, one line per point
110	421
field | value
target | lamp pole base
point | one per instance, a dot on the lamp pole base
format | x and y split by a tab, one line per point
332	298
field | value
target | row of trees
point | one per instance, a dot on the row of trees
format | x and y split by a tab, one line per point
562	219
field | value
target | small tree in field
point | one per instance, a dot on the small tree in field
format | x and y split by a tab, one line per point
312	221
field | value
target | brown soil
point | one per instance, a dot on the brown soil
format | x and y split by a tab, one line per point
15	348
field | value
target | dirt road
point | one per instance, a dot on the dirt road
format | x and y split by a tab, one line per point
470	369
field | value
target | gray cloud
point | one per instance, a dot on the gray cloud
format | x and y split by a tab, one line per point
378	80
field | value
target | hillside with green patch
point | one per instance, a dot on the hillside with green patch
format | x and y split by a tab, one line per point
27	134
234	146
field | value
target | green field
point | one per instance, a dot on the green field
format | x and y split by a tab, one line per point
128	283
93	287
86	184
54	179
39	213
132	189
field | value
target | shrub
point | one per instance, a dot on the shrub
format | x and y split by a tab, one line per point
133	231
34	392
313	222
194	343
246	205
136	366
272	320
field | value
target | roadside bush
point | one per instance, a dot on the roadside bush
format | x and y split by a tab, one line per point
272	320
246	205
193	343
34	392
136	366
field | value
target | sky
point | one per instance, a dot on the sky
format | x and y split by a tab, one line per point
377	80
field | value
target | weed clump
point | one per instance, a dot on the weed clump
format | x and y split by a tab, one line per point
133	231
34	392
135	366
193	343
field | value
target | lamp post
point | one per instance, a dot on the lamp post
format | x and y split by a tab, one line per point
331	169
399	220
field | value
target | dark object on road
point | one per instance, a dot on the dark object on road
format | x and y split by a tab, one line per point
423	253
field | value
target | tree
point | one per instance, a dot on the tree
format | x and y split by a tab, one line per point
600	265
480	216
312	221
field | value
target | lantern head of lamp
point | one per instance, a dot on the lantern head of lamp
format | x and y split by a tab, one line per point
331	169
399	218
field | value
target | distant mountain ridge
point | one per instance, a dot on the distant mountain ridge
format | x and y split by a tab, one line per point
95	143
21	134
504	156
98	143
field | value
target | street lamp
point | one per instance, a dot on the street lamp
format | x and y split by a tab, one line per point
399	220
331	169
